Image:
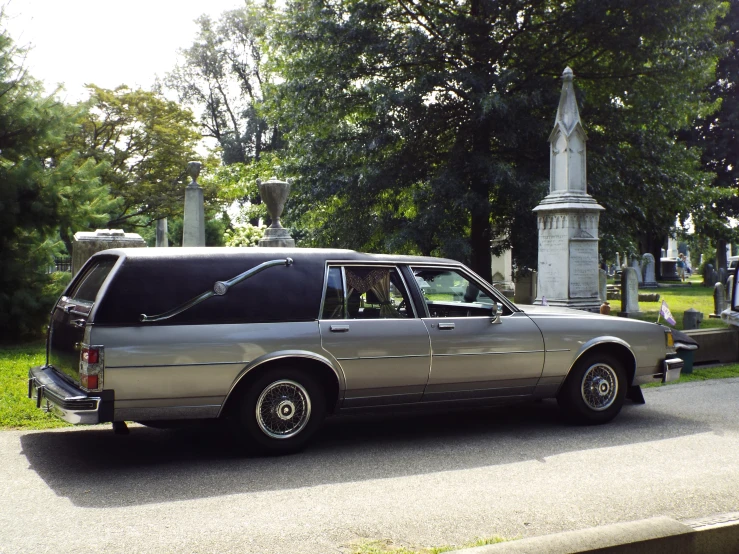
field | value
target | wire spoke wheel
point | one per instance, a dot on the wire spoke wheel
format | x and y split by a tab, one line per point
283	409
599	387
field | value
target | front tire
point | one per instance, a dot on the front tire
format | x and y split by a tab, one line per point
281	411
594	391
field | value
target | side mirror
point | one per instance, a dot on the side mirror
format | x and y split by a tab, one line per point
495	312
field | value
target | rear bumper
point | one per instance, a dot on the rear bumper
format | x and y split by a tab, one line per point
53	394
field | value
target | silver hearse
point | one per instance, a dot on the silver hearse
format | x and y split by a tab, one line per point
274	340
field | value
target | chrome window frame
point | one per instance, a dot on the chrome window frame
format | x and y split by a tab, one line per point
342	264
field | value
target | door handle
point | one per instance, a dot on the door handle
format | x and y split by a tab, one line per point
339	328
446	326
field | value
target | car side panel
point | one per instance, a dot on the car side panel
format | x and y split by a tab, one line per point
185	371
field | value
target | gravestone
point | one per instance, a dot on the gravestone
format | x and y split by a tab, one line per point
525	289
85	244
692	319
193	225
669	269
629	293
709	275
719	300
723	276
637	266
618	260
567	218
501	267
602	285
650	280
162	241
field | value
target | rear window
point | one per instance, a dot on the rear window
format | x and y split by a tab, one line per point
88	284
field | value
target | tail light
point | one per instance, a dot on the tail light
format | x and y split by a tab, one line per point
91	367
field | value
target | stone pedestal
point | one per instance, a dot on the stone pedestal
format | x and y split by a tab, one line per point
568	216
86	244
193	225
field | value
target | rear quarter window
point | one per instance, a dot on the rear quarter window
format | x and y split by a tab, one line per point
87	285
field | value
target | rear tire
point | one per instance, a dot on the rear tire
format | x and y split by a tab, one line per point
594	391
281	410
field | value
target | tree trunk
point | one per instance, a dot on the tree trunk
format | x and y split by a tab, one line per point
722	259
480	260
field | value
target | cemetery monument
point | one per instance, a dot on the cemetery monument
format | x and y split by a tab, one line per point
568	216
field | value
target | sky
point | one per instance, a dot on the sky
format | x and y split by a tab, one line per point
105	42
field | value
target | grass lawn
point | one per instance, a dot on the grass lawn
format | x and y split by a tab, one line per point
679	299
17	411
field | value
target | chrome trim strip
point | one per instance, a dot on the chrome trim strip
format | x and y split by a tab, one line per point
557	350
220	288
489	353
382	357
172	365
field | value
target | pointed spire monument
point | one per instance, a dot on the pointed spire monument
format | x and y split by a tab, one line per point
568	216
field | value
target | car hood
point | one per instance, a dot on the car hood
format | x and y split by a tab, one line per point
530	309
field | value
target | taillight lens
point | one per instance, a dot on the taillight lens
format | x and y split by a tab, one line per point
91	367
90	355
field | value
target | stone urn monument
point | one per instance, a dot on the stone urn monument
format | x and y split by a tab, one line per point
274	193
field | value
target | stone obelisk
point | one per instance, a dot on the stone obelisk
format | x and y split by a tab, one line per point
193	225
568	216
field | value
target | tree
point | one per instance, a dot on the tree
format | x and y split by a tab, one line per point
44	188
145	142
421	126
222	76
718	136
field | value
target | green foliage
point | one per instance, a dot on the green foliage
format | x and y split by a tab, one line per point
421	126
145	142
222	74
718	135
46	190
246	235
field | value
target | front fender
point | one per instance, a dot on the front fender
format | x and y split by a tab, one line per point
601	341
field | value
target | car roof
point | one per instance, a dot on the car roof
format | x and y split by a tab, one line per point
315	254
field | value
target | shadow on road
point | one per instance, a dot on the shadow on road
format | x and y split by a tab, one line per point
95	468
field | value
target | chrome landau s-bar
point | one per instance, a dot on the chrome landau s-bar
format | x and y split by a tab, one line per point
220	288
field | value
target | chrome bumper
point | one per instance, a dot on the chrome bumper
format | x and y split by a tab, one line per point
672	369
53	394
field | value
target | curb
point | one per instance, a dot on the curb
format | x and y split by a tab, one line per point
717	534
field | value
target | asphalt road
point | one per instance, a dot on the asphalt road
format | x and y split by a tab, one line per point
413	479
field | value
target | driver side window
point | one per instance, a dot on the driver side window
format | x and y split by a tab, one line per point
449	293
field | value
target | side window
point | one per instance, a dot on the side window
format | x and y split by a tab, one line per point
371	293
448	293
333	303
88	284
